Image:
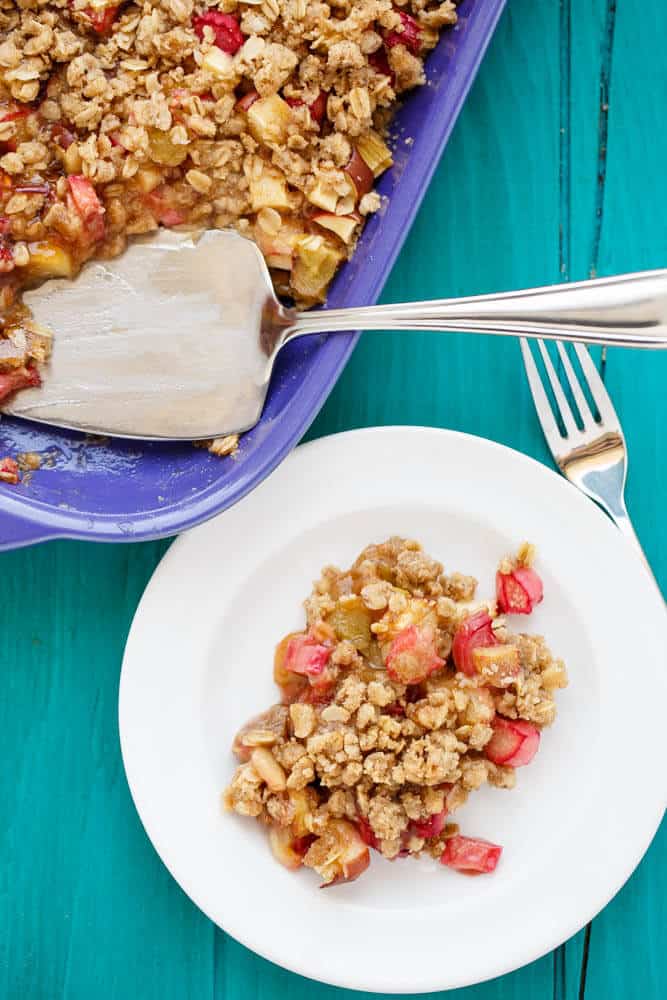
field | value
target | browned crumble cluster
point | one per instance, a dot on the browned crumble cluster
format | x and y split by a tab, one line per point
392	713
265	115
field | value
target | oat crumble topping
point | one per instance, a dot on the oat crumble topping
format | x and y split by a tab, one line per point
402	696
263	115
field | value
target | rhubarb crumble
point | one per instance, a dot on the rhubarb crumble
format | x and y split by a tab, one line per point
401	696
267	116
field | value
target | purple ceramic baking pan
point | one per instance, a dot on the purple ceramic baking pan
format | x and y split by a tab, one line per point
131	491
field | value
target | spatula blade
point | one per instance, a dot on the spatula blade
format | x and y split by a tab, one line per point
160	343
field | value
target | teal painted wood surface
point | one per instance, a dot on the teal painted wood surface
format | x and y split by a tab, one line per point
556	169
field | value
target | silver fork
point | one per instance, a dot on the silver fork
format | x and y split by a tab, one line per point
595	458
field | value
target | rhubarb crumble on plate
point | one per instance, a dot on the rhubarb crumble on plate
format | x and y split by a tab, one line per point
263	115
403	694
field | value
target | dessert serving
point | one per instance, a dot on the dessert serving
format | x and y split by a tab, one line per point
403	694
268	116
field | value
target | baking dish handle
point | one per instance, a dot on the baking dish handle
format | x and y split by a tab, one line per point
17	530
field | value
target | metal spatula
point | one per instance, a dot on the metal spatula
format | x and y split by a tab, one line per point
176	339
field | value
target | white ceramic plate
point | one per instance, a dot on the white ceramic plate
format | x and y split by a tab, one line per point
198	663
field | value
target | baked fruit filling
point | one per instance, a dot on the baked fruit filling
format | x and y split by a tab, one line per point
268	116
401	696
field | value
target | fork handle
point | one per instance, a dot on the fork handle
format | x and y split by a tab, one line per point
624	524
629	310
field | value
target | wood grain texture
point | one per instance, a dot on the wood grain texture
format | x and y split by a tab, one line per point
556	169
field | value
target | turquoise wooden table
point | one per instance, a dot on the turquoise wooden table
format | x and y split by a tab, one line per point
555	170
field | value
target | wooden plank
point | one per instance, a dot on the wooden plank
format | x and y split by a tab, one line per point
628	939
86	907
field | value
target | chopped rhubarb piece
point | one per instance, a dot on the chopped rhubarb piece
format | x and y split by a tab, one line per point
311	694
395	709
62	136
366	833
497	664
431	827
101	18
360	174
410	35
412	655
50	259
344	854
88	205
380	64
247	100
317	107
158	202
172	217
15	111
301	844
18	378
343	226
284	847
473	632
227	34
519	591
468	854
35	188
514	742
306	656
9	470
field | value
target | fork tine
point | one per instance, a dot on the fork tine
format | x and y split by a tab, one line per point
579	398
540	398
598	389
561	401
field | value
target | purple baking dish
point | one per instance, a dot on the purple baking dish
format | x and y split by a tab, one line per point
131	491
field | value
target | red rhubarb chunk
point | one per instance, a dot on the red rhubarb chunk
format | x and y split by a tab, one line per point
431	827
468	854
34	188
412	655
247	100
366	833
62	136
317	107
88	205
410	35
514	742
378	60
315	694
473	632
350	856
301	844
9	470
227	34
15	111
158	201
18	378
519	591
101	19
306	656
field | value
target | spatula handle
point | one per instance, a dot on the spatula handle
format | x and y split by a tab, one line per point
628	310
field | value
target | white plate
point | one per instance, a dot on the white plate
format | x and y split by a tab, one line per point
198	663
